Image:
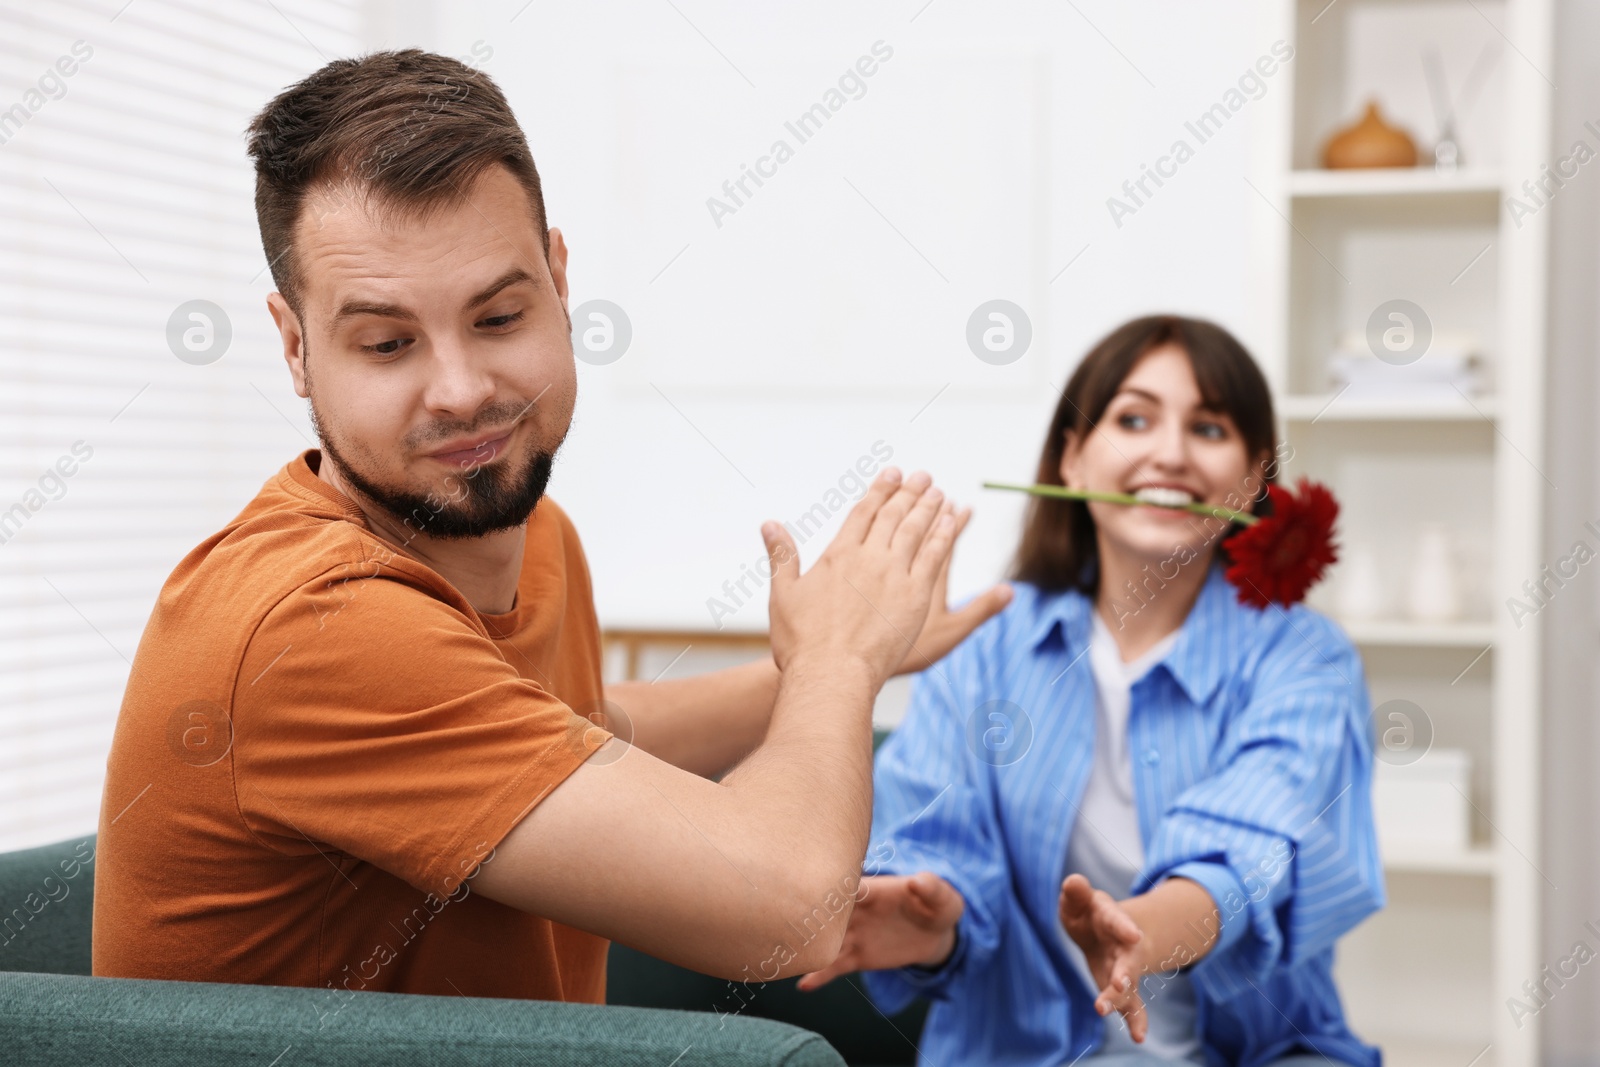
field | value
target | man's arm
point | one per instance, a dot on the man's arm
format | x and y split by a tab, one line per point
751	877
704	724
708	723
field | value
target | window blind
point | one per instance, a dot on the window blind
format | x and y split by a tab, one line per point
128	433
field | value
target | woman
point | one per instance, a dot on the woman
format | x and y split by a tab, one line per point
1127	819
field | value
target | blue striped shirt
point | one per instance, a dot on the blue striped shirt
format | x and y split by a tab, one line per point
1252	768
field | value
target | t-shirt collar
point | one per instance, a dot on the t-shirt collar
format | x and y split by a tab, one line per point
1208	645
304	480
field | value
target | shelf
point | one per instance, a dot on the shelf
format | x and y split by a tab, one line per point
1393	181
1333	408
1407	1050
1405	634
1478	861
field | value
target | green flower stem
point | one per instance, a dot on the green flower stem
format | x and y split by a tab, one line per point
1244	518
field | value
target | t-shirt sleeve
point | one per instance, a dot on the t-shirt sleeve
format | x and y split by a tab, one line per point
373	718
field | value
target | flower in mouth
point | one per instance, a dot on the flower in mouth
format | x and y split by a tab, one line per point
1281	556
1274	558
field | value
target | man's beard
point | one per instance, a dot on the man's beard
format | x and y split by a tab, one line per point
480	500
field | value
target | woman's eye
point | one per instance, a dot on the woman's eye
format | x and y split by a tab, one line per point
1131	421
1211	431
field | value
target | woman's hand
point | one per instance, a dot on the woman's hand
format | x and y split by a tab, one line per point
901	920
1112	942
945	629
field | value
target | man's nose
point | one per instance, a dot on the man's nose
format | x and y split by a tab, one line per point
459	384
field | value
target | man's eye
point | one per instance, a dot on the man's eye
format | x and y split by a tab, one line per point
385	348
501	320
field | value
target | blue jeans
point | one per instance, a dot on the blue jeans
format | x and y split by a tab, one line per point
1150	1059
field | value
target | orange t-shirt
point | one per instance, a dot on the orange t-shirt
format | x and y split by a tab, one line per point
321	740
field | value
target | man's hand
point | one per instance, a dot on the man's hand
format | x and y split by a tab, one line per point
1113	944
899	922
868	594
945	629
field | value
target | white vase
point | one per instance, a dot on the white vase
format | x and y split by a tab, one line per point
1434	591
1361	593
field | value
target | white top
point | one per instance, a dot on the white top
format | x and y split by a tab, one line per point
1105	846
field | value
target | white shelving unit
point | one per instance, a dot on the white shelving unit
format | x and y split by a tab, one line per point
1428	978
1399	634
1398	182
1470	861
1322	408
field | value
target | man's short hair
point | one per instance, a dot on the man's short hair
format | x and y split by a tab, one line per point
408	129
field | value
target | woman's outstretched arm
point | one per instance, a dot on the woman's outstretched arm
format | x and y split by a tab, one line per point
1170	927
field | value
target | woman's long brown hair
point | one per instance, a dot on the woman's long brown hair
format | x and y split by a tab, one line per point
1059	549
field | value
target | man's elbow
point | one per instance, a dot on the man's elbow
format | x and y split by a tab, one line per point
810	930
815	956
769	952
796	933
794	924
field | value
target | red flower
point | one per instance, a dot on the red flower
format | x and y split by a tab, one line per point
1281	556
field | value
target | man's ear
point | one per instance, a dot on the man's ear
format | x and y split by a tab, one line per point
1072	461
558	266
294	349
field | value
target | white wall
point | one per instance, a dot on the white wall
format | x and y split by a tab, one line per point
805	328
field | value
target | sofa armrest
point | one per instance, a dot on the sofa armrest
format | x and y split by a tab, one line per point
88	1022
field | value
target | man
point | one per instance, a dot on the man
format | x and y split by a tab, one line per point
365	743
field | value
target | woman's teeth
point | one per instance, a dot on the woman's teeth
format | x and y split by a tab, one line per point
1171	498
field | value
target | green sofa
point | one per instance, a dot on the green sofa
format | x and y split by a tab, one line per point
52	1012
839	1011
